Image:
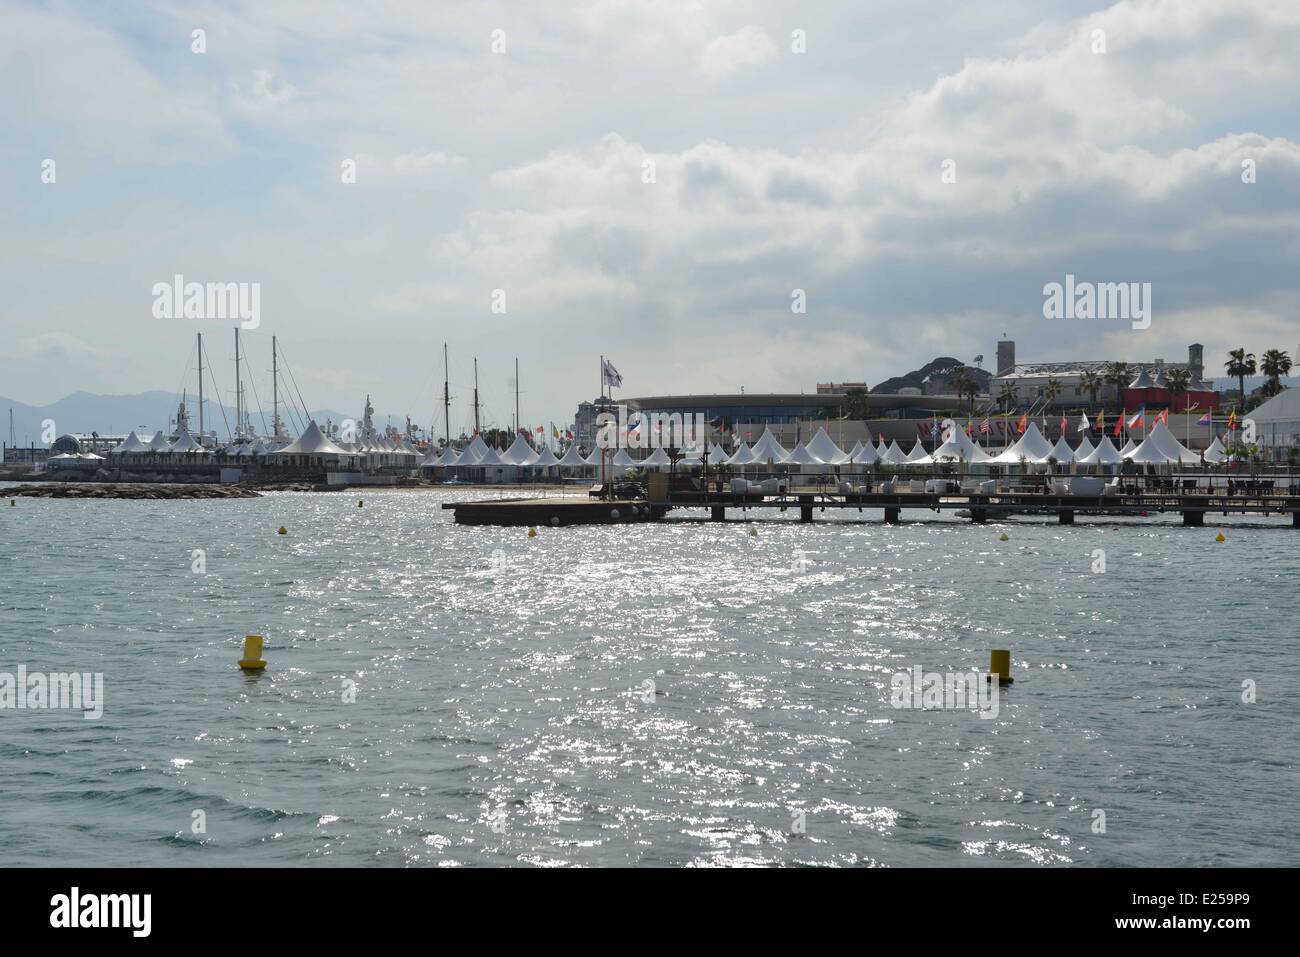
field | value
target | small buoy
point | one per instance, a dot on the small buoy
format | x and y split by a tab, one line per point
360	503
1220	538
1003	537
1000	665
613	513
252	660
12	503
753	532
532	533
282	531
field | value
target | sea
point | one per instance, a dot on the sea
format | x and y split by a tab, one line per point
683	693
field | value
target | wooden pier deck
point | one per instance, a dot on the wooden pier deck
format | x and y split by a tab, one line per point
555	512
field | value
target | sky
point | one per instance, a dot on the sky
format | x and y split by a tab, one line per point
652	182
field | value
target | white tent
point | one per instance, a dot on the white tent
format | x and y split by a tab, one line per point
767	450
1104	454
801	456
1150	453
744	455
532	458
1031	447
432	459
717	454
1277	420
185	443
474	453
518	452
158	443
1062	452
488	458
918	452
545	460
882	450
1129	448
894	455
864	453
957	445
1174	450
622	459
573	458
312	442
1216	453
1084	450
823	449
450	456
132	444
595	456
655	459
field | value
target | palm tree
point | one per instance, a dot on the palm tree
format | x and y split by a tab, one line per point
1275	364
1007	396
1051	389
1090	383
1240	364
966	385
1177	382
1118	374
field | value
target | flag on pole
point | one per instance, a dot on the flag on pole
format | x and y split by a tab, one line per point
1101	422
1206	419
1023	423
1064	425
1083	423
984	426
1119	425
609	374
1139	418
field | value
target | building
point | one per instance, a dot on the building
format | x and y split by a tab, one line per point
1147	383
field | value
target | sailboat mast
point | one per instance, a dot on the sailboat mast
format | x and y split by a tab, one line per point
518	426
477	425
239	390
446	396
275	394
200	388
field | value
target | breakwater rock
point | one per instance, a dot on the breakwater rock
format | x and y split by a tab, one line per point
126	490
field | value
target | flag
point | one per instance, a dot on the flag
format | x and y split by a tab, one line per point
542	431
1139	418
1119	425
1101	421
1083	423
1023	423
1206	419
609	374
984	426
934	428
1232	420
1064	425
1164	416
568	435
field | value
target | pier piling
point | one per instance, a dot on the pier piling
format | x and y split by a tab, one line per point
805	508
891	515
718	513
1067	516
1193	519
979	516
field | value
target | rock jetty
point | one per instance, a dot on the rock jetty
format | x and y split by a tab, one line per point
126	490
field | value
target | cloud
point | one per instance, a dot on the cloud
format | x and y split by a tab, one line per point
728	56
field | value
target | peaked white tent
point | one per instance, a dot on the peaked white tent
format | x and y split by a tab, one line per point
1084	450
717	454
1129	448
518	452
1032	447
1104	454
1150	453
622	459
185	443
450	456
744	455
1216	453
801	456
894	455
864	454
957	446
432	459
545	460
595	456
1062	452
824	450
475	451
158	443
1174	450
655	459
573	458
488	458
918	452
312	442
767	450
132	444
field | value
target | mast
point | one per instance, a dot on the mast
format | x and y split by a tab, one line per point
517	425
200	388
275	395
446	396
239	390
476	422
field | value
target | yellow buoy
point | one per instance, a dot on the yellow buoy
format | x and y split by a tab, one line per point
360	503
532	533
1000	665
1003	537
252	660
282	531
1220	538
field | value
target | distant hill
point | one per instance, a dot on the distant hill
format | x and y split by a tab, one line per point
146	412
940	366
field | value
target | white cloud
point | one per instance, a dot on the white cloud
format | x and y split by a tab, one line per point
727	56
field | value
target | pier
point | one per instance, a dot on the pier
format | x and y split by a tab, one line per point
1135	497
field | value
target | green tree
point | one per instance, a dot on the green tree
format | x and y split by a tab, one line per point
1118	375
1007	396
1240	364
1177	382
1090	383
856	405
966	386
1051	389
1275	363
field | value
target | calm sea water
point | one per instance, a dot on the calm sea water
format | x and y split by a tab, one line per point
503	715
